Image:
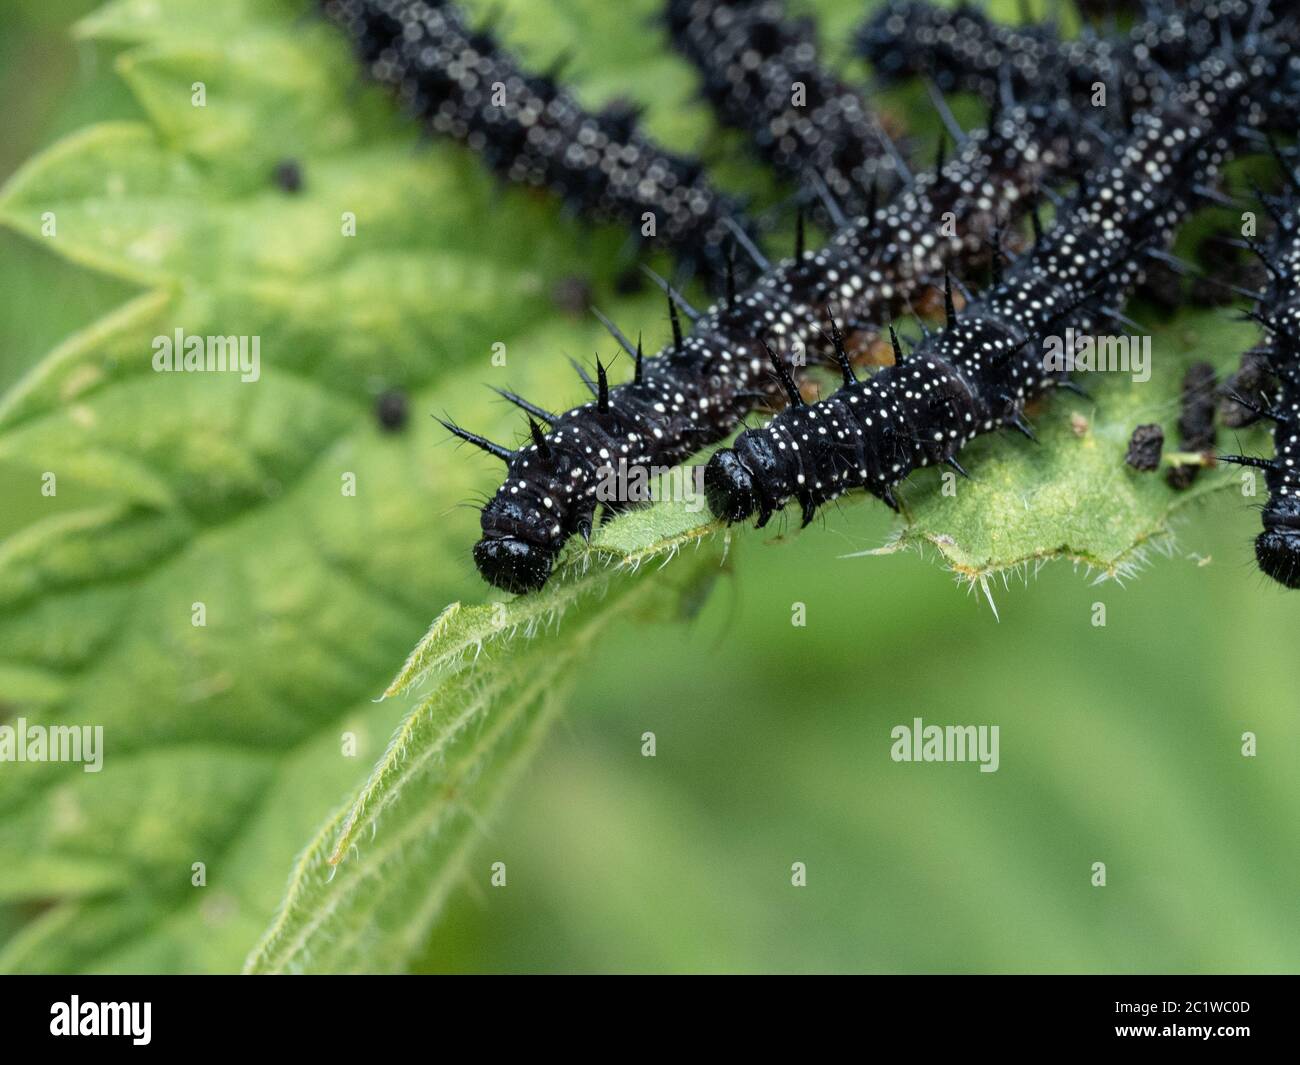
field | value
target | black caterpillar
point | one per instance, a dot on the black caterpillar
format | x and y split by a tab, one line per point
696	391
976	375
461	83
961	48
752	60
1277	548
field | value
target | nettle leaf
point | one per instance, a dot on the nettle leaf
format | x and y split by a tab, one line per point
364	893
178	494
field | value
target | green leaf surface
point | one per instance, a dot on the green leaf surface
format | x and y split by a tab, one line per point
364	893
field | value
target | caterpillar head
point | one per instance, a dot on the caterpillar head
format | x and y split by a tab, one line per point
524	527
533	512
513	565
747	477
729	487
1278	547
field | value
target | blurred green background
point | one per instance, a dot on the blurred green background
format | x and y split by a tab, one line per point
1118	744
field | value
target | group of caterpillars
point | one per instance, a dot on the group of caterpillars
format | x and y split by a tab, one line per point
1198	82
